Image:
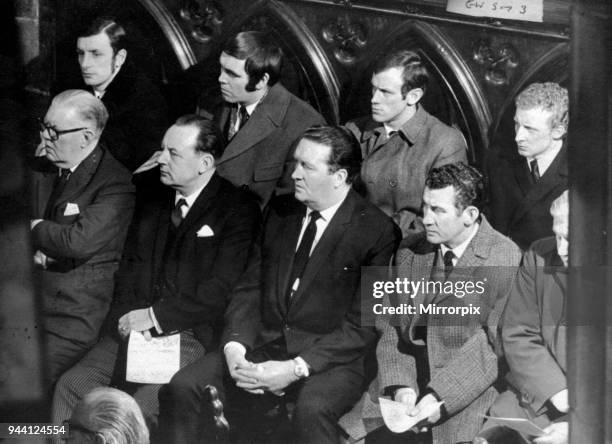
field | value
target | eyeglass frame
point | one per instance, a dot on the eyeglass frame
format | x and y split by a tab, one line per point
68	425
54	133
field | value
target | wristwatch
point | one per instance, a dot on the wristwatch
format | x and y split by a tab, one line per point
300	370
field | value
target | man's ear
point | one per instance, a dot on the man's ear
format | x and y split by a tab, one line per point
88	135
340	176
471	214
207	162
558	131
119	58
414	95
263	82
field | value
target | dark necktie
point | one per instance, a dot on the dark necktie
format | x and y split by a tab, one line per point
177	215
535	171
244	117
303	253
448	262
59	185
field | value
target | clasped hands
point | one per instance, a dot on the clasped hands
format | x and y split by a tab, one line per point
408	397
136	320
268	376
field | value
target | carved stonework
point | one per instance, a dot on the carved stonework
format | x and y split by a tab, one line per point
347	37
205	18
499	62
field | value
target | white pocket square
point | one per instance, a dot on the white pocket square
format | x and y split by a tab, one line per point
205	231
71	209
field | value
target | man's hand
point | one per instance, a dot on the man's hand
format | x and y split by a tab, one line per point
555	434
235	359
149	164
137	320
560	401
406	396
426	404
272	376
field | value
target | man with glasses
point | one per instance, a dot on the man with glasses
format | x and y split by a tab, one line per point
82	202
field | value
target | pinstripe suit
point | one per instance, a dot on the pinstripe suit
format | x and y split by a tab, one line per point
461	354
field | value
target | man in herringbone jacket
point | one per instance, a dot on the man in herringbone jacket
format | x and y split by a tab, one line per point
437	355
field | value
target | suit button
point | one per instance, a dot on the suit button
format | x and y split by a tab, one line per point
286	327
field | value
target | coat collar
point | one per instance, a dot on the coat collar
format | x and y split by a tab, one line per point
410	131
268	116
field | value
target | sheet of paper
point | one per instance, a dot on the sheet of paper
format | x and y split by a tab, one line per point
528	10
521	425
395	416
154	361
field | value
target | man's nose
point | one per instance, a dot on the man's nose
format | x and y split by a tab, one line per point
297	174
520	134
375	97
163	158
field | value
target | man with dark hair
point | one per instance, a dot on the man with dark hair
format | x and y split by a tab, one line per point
523	186
296	331
401	142
260	119
187	246
435	354
82	203
137	110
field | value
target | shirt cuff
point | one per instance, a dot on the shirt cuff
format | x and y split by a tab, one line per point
34	222
155	323
236	346
304	364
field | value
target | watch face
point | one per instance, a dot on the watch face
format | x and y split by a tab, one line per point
299	370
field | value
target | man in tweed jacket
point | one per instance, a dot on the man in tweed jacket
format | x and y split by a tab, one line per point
427	357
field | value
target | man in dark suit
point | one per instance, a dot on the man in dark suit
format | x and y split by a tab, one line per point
308	344
186	248
82	203
523	186
260	119
534	338
401	142
137	110
426	357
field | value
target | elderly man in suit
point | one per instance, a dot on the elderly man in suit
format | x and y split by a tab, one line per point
534	338
82	203
401	142
298	333
136	107
431	356
186	248
523	186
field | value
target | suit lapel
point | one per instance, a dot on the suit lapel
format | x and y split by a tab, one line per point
81	177
44	188
422	265
266	118
328	242
200	206
534	193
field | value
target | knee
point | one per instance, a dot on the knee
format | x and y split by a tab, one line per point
312	410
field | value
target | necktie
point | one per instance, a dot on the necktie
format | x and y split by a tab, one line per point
59	185
303	252
448	262
535	171
241	113
177	215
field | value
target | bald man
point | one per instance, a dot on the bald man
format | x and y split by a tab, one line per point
82	203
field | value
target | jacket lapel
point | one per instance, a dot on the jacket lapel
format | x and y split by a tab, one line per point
422	265
200	206
266	118
44	188
287	246
81	177
534	193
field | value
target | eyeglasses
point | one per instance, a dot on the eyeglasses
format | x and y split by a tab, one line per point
54	134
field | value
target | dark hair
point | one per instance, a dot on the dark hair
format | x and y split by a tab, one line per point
466	180
109	26
414	73
345	151
209	137
261	53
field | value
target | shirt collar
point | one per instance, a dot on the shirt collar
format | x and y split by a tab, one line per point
328	213
189	199
460	249
545	159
